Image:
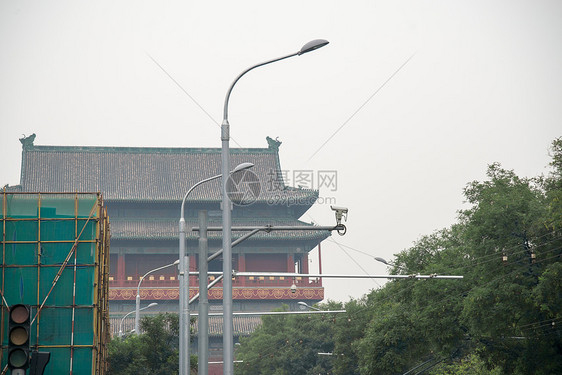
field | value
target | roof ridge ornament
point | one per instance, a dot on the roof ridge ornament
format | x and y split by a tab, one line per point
27	142
273	144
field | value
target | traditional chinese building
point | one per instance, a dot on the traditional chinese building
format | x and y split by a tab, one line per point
143	189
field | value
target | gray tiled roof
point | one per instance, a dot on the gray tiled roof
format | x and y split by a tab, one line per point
242	325
167	229
149	174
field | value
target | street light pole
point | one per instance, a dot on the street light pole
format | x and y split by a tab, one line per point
228	338
183	276
203	319
137	307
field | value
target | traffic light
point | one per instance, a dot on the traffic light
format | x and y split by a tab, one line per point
18	339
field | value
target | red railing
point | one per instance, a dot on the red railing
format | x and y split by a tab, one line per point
171	281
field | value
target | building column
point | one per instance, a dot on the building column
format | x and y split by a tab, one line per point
242	267
290	267
304	266
290	263
120	269
305	263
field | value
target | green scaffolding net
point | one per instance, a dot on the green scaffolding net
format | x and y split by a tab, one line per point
55	258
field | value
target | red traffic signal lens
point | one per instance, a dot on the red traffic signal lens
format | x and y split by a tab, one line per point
19	314
17	358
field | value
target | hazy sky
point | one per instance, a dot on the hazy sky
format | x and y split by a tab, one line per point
471	83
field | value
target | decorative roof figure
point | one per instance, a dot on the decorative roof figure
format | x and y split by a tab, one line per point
273	143
27	142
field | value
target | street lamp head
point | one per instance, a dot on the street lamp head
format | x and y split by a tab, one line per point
313	45
152	304
242	167
382	260
307	306
176	262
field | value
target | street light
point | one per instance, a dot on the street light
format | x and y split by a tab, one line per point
228	339
382	260
390	264
137	308
184	275
304	304
129	313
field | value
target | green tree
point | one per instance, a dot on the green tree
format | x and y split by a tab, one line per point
414	321
504	317
154	352
348	331
288	344
472	364
553	188
124	356
506	231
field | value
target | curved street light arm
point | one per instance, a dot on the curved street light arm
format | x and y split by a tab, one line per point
137	299
191	189
308	47
121	324
154	270
129	313
238	168
225	111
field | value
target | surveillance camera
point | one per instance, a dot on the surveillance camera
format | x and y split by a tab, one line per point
337	208
340	212
293	288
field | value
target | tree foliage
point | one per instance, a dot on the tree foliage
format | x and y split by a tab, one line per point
154	352
503	317
289	344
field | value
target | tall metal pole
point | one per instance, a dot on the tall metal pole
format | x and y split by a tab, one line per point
227	342
203	318
183	347
228	336
183	277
